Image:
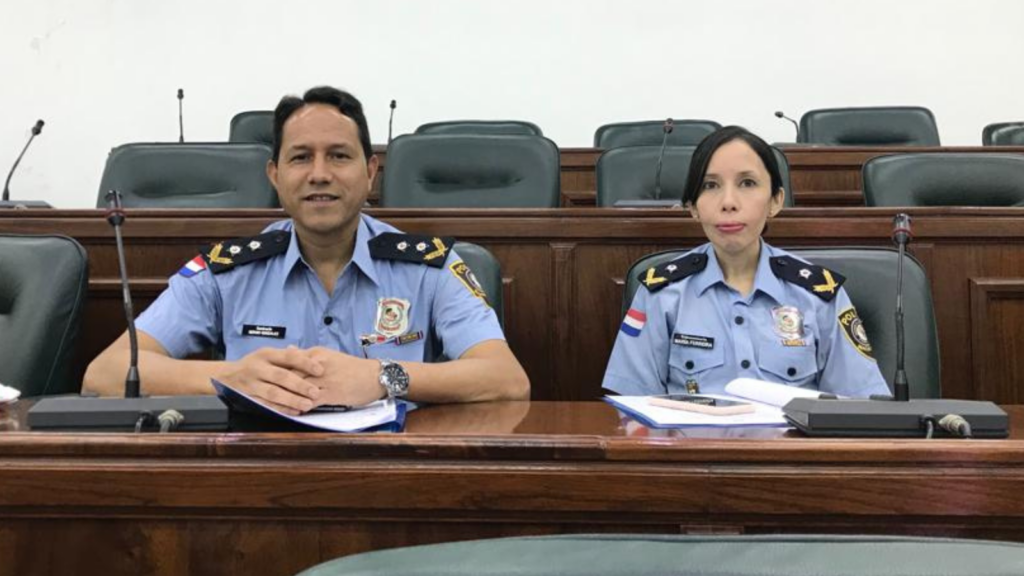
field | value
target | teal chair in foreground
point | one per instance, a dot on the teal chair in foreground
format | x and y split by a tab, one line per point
636	555
871	284
43	283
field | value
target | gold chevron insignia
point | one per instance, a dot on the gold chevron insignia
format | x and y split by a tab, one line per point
215	256
651	279
829	285
441	250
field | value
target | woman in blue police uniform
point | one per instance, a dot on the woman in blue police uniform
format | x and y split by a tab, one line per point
329	307
736	306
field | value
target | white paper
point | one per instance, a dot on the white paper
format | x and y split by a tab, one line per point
767	392
8	394
763	415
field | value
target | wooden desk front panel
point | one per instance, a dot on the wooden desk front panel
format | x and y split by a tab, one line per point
563	276
272	503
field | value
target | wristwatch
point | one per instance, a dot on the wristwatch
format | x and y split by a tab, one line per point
393	378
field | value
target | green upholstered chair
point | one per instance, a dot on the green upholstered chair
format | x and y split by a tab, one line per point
43	283
1003	134
471	171
491	127
944	180
253	126
871	284
629	173
872	126
487	271
670	555
167	175
651	133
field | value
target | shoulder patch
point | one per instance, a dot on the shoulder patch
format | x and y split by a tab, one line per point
657	277
224	256
429	250
817	280
853	329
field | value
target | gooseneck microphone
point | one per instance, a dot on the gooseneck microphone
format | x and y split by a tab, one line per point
115	215
391	119
181	116
796	126
901	235
667	129
36	130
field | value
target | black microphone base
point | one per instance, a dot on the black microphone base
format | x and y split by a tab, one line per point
79	413
890	419
23	204
649	203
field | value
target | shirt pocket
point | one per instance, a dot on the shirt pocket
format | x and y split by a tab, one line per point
694	361
796	365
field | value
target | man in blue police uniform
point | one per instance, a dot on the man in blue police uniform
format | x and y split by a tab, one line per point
796	327
330	307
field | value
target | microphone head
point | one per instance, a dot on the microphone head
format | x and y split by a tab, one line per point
38	128
181	94
668	126
394	104
779	114
901	228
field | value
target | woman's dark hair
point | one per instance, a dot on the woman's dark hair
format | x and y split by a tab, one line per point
711	143
346	103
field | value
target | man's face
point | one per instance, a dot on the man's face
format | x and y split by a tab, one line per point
321	175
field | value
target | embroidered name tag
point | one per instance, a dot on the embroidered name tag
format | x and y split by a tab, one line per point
263	331
691	341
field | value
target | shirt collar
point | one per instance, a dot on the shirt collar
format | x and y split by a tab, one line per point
764	279
360	252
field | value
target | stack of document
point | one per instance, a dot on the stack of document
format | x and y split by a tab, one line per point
379	416
768	399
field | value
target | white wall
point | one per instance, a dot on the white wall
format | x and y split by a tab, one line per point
105	72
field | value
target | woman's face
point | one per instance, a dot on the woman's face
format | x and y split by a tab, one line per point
736	199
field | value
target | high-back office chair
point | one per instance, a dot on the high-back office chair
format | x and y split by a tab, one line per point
492	127
872	126
43	282
871	284
944	180
672	555
168	175
253	126
629	173
1003	134
471	171
651	133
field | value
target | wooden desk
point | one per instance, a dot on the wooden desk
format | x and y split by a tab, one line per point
820	175
563	275
274	503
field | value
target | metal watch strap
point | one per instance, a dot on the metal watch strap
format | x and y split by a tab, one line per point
393	378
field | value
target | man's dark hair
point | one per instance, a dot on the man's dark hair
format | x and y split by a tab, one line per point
711	143
346	103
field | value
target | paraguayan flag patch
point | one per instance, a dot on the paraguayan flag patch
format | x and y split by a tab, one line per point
633	323
193	267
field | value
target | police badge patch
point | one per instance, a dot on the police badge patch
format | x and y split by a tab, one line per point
468	279
788	322
853	329
392	317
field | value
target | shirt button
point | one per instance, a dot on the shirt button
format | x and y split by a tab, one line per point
689	364
328	320
739	320
745	364
791	371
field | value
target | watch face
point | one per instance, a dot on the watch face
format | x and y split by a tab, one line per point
394	378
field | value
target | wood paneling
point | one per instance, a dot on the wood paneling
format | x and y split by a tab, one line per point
563	270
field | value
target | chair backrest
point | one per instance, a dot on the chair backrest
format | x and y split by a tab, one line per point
674	555
43	283
944	180
651	133
873	126
168	175
487	271
871	285
629	173
1003	134
471	171
253	126
491	127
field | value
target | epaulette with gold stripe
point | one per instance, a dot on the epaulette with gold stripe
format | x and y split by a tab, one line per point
817	280
657	277
429	250
224	256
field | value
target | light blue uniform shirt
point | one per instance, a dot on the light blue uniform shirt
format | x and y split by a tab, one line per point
200	311
700	329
